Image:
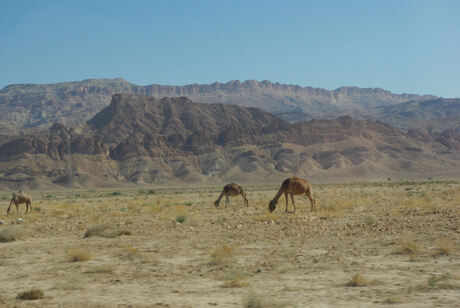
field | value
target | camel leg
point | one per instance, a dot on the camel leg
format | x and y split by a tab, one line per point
27	207
227	201
245	201
9	207
218	200
17	208
293	203
286	196
312	201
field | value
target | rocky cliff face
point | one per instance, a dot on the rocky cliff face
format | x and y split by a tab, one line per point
73	103
139	139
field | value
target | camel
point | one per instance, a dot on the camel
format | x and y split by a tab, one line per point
18	198
293	186
231	190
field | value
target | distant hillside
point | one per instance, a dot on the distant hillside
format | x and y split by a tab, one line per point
73	103
142	140
434	115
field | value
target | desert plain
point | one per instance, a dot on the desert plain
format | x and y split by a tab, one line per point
388	243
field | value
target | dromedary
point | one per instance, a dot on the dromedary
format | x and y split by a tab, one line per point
18	198
231	190
293	186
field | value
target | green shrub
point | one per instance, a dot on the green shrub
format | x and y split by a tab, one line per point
181	218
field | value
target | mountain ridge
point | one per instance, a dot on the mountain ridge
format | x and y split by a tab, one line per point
73	103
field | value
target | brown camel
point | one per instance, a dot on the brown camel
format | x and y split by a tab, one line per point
293	186
231	190
18	198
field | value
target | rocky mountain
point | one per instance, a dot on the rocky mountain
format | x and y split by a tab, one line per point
142	140
434	115
73	103
128	114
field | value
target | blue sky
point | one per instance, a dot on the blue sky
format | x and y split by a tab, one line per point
401	46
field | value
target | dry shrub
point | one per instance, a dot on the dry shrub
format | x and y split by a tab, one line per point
12	233
222	255
407	247
394	300
253	300
104	230
31	295
234	280
78	255
131	250
100	269
358	281
443	248
129	253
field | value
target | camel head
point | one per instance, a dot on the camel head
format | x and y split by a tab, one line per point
216	203
272	205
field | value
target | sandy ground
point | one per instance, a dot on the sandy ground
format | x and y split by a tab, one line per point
368	245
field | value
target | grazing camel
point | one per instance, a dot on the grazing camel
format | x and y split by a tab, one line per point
18	198
231	190
293	186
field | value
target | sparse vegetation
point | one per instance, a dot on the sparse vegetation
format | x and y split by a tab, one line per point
407	247
104	230
32	294
368	227
223	255
253	300
78	255
181	218
443	248
358	281
234	279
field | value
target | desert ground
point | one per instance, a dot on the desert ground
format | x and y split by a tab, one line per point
367	245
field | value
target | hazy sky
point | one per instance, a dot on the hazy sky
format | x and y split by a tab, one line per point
401	46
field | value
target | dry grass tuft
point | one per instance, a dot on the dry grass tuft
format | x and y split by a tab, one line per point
11	233
31	295
443	248
78	255
222	255
234	280
104	230
358	281
253	300
407	247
